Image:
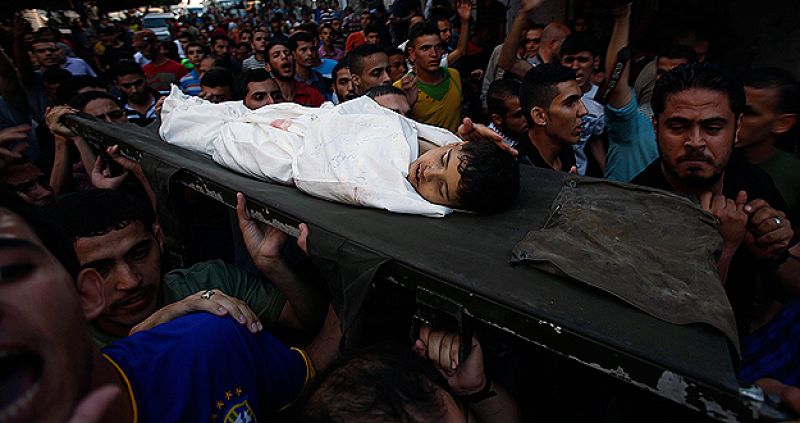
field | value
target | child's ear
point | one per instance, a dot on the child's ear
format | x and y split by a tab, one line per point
90	290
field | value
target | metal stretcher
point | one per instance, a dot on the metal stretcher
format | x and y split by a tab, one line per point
460	265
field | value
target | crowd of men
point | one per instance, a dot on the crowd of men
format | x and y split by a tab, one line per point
101	328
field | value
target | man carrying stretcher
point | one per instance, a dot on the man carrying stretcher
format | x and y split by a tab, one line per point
355	153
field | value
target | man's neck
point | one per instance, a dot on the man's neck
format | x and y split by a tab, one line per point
683	188
159	60
587	86
303	72
141	107
548	147
103	374
430	78
260	56
329	48
759	153
287	88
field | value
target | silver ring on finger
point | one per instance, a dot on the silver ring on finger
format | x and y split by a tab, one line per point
778	221
208	294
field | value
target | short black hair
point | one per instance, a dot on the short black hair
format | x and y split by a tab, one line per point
781	80
382	90
395	51
126	67
252	75
489	177
498	92
45	228
539	86
196	44
218	77
385	378
171	50
216	37
274	43
342	64
421	30
298	36
96	212
69	88
357	55
81	100
697	75
372	28
576	43
678	51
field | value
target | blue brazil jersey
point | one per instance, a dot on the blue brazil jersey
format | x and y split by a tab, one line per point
204	368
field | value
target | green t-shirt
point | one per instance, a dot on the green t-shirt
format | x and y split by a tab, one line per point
783	168
260	295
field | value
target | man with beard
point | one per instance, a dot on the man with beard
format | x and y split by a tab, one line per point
551	102
505	112
259	89
697	110
342	83
161	72
140	99
280	61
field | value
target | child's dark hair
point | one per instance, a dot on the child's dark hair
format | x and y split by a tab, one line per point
489	177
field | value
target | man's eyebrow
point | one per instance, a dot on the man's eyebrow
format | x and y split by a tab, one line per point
676	119
9	242
571	99
714	120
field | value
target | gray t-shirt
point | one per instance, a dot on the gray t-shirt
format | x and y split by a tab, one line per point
252	63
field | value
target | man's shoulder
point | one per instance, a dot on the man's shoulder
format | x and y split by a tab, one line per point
652	176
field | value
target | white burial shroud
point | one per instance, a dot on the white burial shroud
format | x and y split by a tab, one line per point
355	153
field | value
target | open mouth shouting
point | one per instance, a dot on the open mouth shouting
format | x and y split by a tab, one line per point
20	372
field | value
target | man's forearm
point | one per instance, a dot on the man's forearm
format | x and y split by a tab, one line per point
621	94
461	48
304	302
508	54
499	408
61	174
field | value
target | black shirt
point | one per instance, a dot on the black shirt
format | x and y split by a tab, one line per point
746	286
529	155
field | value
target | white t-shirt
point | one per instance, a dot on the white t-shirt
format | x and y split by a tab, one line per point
356	152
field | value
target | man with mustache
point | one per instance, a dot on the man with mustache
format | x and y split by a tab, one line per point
697	112
280	62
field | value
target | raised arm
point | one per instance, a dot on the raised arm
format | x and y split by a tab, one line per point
464	9
304	304
621	93
508	55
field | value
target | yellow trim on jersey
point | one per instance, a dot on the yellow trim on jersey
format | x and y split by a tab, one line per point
311	372
128	384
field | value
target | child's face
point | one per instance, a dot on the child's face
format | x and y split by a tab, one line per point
435	175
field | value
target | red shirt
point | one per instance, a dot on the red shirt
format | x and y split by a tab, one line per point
159	77
354	40
306	95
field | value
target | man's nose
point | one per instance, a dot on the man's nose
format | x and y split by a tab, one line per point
127	278
582	109
694	138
